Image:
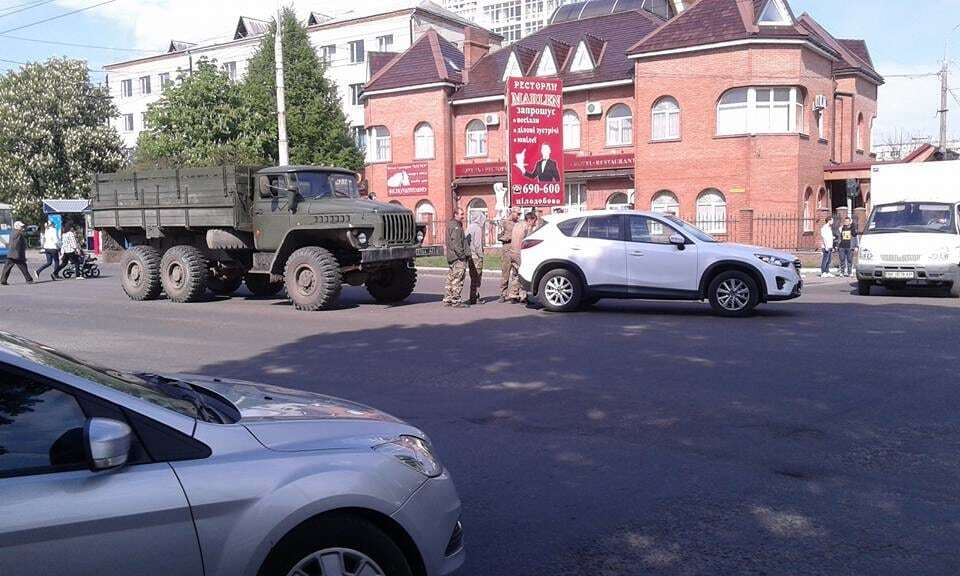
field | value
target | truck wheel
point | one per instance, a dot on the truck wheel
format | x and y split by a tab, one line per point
224	286
733	294
863	287
184	272
393	285
139	273
312	277
260	285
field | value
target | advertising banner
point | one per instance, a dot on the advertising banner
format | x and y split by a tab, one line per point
407	179
535	151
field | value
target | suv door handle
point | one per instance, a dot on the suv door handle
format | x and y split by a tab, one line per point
636	253
576	248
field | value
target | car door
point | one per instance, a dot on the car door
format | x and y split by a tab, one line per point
58	517
600	252
271	212
655	265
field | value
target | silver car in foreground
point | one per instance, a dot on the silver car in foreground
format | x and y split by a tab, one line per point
103	472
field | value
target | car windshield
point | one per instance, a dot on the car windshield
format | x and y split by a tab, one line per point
923	217
691	229
315	185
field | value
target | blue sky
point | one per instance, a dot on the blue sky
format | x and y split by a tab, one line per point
904	36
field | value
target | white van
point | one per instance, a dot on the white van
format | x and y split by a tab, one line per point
913	235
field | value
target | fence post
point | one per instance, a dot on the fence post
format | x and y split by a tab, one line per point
745	227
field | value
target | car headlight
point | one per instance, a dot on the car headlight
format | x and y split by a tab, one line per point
866	255
414	452
773	260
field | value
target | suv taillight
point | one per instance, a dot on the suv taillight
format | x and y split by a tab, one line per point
529	244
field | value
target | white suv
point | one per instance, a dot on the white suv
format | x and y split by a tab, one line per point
577	259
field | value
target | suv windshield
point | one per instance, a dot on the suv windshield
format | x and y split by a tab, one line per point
690	229
924	217
315	185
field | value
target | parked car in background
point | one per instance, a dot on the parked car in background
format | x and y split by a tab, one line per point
104	472
579	259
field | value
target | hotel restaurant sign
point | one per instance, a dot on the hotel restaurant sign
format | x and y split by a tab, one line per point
571	163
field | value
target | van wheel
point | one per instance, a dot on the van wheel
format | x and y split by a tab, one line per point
260	285
560	291
313	280
863	287
340	545
183	273
393	285
139	273
733	294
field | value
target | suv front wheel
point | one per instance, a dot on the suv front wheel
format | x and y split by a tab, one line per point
733	293
560	291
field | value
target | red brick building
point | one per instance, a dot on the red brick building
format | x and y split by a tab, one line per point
732	106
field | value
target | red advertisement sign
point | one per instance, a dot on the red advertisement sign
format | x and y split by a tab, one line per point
407	179
599	162
479	169
535	151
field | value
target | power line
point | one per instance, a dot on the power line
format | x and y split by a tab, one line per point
57	17
74	45
23	7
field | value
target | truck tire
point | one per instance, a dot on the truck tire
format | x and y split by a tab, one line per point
260	285
224	286
140	273
393	285
184	272
733	294
313	280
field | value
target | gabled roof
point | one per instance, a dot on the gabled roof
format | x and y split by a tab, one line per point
854	56
432	59
858	48
316	18
607	37
248	27
178	46
382	7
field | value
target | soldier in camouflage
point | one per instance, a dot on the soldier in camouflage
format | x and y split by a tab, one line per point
458	254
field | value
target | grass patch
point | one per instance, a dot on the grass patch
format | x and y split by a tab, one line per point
490	262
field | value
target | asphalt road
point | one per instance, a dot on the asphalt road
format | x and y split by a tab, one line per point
820	437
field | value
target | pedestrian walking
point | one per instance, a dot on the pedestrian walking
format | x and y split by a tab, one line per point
847	246
50	244
71	252
16	255
826	247
458	254
476	242
506	260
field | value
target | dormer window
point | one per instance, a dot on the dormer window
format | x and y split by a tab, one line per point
775	14
513	68
547	65
582	60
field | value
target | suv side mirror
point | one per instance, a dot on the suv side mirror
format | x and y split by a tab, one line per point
679	241
107	443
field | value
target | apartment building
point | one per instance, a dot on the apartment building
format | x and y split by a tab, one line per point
348	40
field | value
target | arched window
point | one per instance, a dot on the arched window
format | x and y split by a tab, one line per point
860	135
619	126
423	141
425	211
665	202
379	148
666	119
476	206
476	139
808	214
618	201
571	130
712	211
822	200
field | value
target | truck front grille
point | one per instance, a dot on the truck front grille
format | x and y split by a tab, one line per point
398	228
900	257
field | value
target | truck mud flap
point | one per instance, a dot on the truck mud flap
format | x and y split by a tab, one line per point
218	239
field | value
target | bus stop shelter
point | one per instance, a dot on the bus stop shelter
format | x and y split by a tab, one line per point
76	211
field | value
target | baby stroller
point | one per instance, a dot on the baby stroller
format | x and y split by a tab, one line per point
88	267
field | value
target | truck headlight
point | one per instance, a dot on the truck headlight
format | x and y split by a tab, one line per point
866	255
362	238
773	260
414	452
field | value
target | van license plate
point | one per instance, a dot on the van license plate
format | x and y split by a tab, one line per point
899	274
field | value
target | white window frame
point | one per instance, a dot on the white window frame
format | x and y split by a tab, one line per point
231	69
128	123
423	142
476	139
165	81
820	124
143	120
575	197
379	145
385	42
860	125
143	82
126	88
665	202
356	94
783	15
807	210
619	129
625	205
358	52
761	115
548	64
582	59
712	211
328	53
513	69
665	119
571	130
359	134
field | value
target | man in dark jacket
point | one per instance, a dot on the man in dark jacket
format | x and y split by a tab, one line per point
458	253
16	255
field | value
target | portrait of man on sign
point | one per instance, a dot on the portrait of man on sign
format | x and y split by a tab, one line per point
546	169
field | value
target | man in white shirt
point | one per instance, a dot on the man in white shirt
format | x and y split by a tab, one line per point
826	245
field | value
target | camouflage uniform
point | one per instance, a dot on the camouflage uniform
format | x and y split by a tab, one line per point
453	292
505	237
475	238
514	291
458	253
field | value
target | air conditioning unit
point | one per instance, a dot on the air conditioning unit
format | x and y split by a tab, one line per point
594	109
491	119
820	102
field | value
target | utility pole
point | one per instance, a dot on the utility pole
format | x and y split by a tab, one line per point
281	99
944	88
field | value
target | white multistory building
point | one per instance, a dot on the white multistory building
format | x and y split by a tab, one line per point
346	39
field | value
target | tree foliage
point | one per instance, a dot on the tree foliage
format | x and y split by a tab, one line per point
54	133
317	129
204	120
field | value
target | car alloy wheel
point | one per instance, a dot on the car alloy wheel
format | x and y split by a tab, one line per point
337	562
733	294
558	291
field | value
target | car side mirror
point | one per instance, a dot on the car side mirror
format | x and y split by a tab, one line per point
679	241
107	443
293	198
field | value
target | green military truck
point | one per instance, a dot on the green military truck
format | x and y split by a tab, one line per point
303	228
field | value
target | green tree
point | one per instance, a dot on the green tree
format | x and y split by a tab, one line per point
202	121
317	129
54	133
